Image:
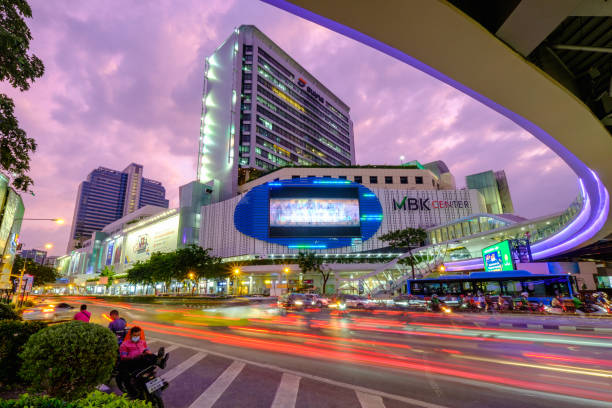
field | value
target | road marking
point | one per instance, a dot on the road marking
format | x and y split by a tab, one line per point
185	365
172	347
369	400
287	391
353	387
216	389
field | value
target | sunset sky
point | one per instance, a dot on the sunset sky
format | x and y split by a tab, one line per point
123	83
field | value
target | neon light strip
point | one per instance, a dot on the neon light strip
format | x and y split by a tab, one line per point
570	237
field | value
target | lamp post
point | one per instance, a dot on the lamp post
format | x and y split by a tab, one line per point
236	273
287	271
191	276
56	220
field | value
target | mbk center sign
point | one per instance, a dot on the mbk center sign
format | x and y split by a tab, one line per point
425	204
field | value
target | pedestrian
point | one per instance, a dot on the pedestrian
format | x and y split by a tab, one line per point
118	326
83	315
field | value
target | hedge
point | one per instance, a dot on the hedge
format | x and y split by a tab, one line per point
8	313
68	360
93	400
13	336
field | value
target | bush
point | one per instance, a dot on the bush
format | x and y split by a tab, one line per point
93	400
8	313
13	336
68	360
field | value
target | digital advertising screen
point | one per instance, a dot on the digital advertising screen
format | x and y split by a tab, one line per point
498	257
314	212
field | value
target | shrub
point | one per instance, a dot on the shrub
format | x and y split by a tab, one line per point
7	312
93	400
13	336
100	399
69	359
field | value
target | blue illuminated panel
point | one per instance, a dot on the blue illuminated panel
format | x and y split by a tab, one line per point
309	213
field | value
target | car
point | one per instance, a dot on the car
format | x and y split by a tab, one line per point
358	302
295	300
317	300
49	312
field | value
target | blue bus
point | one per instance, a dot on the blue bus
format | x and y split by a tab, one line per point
540	288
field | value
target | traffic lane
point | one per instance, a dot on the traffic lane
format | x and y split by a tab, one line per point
425	386
475	368
475	363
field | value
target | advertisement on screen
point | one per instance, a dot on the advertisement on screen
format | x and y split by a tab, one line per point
314	212
498	257
304	212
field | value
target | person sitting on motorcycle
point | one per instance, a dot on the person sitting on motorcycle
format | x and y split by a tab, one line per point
557	303
435	303
500	303
117	326
578	305
525	301
135	355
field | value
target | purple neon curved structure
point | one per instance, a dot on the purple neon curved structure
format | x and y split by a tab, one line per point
594	212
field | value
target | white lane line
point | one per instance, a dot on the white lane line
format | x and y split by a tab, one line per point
216	389
369	400
172	347
184	366
383	394
287	391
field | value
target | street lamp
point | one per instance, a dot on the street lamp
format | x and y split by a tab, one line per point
236	273
287	270
48	246
56	220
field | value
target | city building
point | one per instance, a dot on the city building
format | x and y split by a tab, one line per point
382	177
440	169
108	195
11	215
36	255
262	110
494	188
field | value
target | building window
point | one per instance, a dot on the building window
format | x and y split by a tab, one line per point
342	177
248	48
418	179
295	177
373	179
403	180
358	179
388	180
326	176
310	176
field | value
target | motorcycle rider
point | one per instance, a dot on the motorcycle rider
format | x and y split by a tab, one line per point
557	304
435	303
135	355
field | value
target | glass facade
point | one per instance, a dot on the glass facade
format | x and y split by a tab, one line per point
494	188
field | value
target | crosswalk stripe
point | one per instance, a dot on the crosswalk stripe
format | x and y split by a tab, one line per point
369	400
172	347
212	393
184	366
287	391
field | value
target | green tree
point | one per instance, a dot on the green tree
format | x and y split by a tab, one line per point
42	273
310	262
406	240
19	69
108	272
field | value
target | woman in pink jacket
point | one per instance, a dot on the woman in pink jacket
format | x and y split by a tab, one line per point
135	355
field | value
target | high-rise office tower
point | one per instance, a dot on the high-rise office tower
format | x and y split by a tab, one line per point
494	188
108	195
262	110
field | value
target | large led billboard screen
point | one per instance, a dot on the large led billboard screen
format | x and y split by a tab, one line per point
314	212
498	257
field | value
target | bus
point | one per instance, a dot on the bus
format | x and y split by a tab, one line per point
540	288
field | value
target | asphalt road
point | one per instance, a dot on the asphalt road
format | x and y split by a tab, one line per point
256	356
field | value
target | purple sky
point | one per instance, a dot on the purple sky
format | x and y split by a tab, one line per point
123	84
